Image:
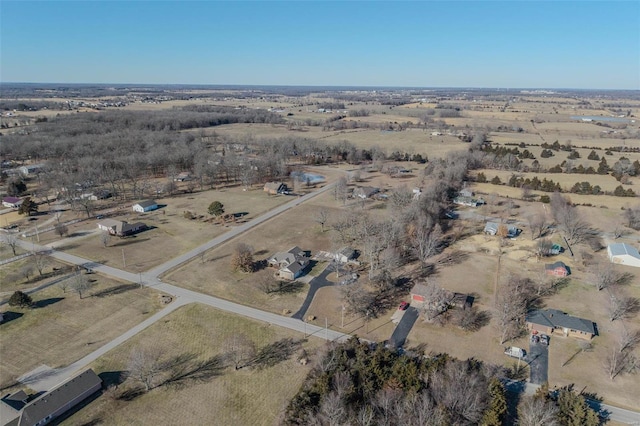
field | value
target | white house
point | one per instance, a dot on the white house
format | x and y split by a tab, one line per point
145	206
623	254
11	202
31	169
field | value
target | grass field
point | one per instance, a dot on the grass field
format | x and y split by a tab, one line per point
12	277
63	328
244	397
171	234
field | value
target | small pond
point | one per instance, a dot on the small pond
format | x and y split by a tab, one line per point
307	177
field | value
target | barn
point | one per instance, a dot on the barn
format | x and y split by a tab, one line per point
624	254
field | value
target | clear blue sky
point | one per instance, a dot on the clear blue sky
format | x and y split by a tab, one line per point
515	44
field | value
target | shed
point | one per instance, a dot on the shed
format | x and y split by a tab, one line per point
624	254
557	269
145	206
273	188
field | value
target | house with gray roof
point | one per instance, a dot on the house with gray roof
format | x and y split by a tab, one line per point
145	206
492	228
44	409
121	228
623	254
553	321
291	264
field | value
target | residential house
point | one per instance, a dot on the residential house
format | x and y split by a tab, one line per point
11	202
121	228
345	255
273	188
59	400
31	169
183	176
420	294
468	201
365	192
623	254
493	228
290	264
145	206
557	269
465	192
553	321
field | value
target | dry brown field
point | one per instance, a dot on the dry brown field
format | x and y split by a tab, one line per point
12	278
171	234
63	328
244	397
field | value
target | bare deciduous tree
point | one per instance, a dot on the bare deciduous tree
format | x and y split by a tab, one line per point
146	365
538	225
61	229
105	237
242	258
341	190
511	306
568	218
603	275
321	216
40	261
80	283
11	241
241	350
535	411
621	305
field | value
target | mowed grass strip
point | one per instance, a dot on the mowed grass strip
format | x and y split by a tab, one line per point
244	397
63	328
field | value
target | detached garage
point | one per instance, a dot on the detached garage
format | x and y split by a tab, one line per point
624	254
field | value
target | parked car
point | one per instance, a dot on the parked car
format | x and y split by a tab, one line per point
403	306
535	338
544	339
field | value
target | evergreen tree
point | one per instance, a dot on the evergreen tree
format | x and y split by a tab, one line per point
573	409
28	207
20	299
494	416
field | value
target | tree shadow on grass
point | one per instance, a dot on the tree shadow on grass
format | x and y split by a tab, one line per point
185	369
46	302
129	240
119	289
10	316
276	352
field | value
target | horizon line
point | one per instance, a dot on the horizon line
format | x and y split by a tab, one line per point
319	86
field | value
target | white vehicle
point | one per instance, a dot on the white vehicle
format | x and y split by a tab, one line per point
515	352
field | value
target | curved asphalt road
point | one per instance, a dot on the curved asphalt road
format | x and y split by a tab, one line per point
47	380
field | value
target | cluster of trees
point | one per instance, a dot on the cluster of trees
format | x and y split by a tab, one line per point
353	383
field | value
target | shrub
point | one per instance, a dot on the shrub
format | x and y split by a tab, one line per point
20	299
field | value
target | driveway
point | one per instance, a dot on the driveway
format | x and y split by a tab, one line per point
538	359
399	336
314	285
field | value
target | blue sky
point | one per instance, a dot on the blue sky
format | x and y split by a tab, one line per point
515	44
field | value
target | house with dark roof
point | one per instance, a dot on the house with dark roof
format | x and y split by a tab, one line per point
365	192
290	264
11	202
59	400
145	206
121	228
557	269
273	188
553	321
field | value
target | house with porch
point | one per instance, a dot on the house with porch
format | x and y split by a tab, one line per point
11	202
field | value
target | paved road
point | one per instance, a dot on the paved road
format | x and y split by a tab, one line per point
399	335
184	296
234	232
